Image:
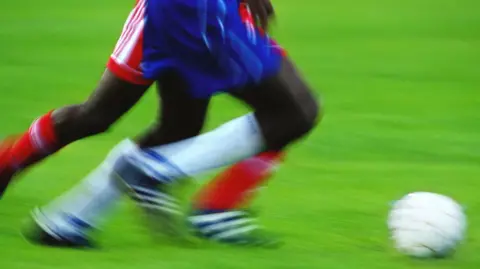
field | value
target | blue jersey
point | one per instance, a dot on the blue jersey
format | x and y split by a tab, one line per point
207	43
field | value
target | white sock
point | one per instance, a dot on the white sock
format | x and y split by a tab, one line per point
97	194
89	201
236	140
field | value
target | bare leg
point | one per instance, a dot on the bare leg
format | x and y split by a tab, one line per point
54	130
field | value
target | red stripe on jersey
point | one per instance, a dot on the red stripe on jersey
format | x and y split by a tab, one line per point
124	31
136	55
129	29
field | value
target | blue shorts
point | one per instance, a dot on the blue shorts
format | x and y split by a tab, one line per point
207	43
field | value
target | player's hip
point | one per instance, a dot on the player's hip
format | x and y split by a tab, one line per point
212	64
168	47
125	60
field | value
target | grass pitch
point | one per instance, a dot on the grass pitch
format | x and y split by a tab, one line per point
400	81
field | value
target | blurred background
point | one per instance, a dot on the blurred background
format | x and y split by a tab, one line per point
400	81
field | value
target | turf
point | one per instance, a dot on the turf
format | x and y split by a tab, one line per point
400	81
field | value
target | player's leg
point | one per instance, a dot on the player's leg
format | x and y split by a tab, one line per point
223	205
286	110
236	187
91	201
230	189
285	106
239	139
266	72
120	87
56	129
193	147
62	221
154	137
108	103
195	155
181	117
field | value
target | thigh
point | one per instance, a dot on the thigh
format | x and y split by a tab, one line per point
113	97
281	93
178	107
180	114
284	105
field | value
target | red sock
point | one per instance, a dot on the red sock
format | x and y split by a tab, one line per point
35	144
235	187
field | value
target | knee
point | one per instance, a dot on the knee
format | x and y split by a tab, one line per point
292	122
307	115
302	116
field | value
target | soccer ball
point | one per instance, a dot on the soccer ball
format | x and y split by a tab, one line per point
426	225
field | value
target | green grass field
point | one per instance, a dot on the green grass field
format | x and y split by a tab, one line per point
400	81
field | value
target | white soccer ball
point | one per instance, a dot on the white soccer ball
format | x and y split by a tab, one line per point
427	225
